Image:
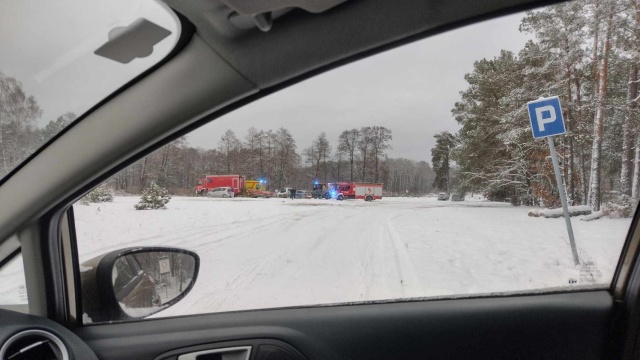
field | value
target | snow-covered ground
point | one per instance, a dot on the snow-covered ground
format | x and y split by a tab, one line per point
262	253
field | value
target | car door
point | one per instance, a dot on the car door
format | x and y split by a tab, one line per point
229	56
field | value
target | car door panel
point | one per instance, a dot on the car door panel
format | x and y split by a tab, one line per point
567	325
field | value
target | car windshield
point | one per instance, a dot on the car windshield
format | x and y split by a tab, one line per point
56	65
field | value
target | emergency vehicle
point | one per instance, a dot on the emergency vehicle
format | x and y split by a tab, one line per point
208	182
364	191
257	188
319	190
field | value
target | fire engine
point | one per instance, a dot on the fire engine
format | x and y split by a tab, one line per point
347	190
208	182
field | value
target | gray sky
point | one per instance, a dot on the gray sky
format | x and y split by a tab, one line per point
411	90
49	49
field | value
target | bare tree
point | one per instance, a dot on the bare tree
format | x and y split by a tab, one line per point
380	138
229	146
253	144
286	159
364	147
347	144
312	156
17	112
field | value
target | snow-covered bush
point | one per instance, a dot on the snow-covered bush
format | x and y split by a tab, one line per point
153	197
618	206
100	194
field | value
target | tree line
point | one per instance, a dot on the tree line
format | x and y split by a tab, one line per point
586	52
272	155
19	134
358	155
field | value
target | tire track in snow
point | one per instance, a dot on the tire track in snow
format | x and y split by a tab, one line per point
171	236
235	289
187	238
409	279
261	227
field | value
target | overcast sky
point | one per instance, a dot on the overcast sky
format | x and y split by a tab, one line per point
49	48
410	90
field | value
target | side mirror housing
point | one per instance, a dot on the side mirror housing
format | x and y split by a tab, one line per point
136	282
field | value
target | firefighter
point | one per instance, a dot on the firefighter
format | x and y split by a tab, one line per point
292	191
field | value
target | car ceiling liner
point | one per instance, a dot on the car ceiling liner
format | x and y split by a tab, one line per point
248	14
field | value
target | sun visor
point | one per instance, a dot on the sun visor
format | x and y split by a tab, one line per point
133	41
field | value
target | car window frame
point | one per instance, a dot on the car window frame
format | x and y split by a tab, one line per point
55	291
64	210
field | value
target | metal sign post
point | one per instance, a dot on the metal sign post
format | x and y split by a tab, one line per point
546	121
563	200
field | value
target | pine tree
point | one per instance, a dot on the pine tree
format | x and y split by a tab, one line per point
440	159
100	194
594	196
153	197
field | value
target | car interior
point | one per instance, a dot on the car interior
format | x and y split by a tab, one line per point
229	54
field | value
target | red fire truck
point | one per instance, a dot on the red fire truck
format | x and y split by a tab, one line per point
346	190
208	182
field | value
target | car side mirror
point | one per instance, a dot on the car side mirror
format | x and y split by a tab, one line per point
134	283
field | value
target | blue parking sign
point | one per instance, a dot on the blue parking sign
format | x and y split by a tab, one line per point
546	117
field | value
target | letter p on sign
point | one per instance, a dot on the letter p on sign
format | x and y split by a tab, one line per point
546	117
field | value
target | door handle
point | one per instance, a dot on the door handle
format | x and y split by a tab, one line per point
233	353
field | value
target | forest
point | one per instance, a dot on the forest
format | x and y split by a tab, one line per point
585	52
272	155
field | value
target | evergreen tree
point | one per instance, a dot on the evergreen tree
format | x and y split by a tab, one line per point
440	158
153	197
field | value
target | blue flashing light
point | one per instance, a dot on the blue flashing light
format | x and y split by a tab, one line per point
261	181
316	183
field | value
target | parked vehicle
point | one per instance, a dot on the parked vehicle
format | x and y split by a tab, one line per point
367	192
457	197
257	188
303	194
210	182
284	193
443	196
221	192
319	190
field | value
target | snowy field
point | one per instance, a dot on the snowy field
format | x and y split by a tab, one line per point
262	253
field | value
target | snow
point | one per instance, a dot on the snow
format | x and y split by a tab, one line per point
139	312
559	212
86	319
593	216
14	289
266	253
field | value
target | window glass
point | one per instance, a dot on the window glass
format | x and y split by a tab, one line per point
449	194
52	68
13	289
